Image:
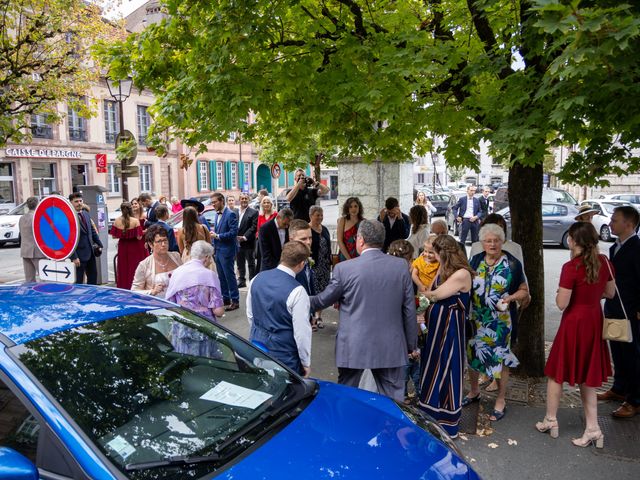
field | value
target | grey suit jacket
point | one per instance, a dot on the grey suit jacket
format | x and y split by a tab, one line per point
28	248
377	311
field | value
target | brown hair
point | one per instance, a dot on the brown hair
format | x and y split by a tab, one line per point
418	216
451	256
402	249
127	212
629	213
585	236
347	204
152	232
162	212
298	224
293	253
189	227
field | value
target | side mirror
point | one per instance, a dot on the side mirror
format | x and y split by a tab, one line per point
16	466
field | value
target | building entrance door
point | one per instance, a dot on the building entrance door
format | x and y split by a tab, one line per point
44	179
79	176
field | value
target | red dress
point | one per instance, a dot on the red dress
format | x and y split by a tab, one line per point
131	252
578	354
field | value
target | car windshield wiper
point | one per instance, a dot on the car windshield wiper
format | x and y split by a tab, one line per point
285	410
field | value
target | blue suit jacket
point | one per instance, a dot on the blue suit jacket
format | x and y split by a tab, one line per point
302	279
461	207
227	229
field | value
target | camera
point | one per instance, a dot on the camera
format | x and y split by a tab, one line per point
309	182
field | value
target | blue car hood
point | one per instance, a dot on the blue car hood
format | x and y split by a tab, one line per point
349	433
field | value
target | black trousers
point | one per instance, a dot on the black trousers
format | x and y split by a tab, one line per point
469	226
90	268
246	256
626	364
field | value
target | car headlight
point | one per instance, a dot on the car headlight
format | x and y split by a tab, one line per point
8	225
429	425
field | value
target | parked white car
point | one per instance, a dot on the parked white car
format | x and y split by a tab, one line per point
632	198
603	217
9	231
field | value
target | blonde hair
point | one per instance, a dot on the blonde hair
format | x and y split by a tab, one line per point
429	240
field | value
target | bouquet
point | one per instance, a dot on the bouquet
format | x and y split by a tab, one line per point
422	303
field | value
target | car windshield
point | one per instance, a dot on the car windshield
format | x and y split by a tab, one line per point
161	385
609	207
19	210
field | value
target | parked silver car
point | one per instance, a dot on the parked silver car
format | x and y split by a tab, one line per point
632	198
556	220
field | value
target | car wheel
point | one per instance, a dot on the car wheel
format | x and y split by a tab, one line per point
605	233
565	240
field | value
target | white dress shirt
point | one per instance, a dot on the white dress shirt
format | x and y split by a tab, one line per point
298	305
469	212
282	233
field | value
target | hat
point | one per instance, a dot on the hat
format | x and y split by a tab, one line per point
584	210
192	202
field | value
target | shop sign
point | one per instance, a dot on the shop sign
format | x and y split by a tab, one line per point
42	153
101	162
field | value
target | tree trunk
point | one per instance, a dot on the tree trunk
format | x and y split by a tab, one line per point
525	206
316	166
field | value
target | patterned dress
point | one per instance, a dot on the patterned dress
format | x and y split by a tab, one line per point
443	361
322	264
349	238
201	299
490	349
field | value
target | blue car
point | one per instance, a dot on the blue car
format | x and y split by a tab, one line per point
101	383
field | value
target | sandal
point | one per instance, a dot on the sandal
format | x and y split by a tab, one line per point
314	327
319	322
492	387
466	401
497	415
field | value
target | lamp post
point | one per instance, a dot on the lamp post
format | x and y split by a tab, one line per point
120	91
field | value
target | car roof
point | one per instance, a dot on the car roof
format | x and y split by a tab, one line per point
35	310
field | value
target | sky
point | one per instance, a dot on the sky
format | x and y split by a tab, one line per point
128	6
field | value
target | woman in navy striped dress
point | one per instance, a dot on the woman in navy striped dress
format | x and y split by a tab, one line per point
443	353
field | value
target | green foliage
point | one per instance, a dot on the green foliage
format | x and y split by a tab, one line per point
44	60
375	79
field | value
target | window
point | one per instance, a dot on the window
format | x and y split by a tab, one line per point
233	136
113	178
111	122
40	128
234	174
20	429
551	210
220	175
77	126
144	121
6	184
247	174
204	176
145	178
421	178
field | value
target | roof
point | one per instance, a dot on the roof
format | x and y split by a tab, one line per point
35	310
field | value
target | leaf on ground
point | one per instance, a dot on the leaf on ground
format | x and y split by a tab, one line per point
493	445
464	437
512	442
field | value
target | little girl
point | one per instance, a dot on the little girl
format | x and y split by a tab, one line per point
425	266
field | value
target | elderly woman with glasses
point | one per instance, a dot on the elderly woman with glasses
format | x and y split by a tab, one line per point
153	273
499	285
194	286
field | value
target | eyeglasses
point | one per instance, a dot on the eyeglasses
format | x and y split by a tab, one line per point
161	241
492	241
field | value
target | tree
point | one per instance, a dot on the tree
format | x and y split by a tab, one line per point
44	59
378	80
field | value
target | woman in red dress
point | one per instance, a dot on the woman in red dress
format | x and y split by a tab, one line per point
578	354
267	213
347	228
131	249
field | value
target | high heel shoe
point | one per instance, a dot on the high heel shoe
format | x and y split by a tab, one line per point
549	425
590	436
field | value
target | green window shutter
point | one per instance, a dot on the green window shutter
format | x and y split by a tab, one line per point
227	173
290	178
213	178
198	175
307	170
241	174
252	185
281	179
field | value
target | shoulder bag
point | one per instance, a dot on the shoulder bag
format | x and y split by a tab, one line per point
617	329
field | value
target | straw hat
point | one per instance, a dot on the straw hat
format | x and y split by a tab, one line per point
585	210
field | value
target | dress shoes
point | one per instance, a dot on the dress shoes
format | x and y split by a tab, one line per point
242	284
232	306
626	410
610	395
226	302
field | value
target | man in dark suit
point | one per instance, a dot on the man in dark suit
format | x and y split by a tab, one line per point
225	240
147	202
84	255
247	226
162	215
397	225
300	231
625	256
467	212
377	328
271	237
484	202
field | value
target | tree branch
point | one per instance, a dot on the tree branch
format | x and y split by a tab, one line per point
487	37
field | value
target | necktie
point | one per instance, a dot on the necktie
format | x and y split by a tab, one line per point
614	250
83	221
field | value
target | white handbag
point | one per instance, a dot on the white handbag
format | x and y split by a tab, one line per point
617	329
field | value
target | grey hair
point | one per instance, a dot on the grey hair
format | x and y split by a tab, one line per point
32	203
201	249
315	208
492	229
372	232
285	213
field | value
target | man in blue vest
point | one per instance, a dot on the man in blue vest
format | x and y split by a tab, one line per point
278	310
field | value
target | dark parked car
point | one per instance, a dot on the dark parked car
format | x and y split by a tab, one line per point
440	201
556	220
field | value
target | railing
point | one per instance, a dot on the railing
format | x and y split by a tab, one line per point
42	131
110	137
78	134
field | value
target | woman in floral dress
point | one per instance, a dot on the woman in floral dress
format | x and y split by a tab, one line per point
497	288
320	254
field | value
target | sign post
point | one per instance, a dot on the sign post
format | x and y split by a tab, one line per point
56	231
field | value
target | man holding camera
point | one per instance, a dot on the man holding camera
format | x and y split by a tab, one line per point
304	194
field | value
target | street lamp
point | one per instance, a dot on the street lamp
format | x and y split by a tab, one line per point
120	91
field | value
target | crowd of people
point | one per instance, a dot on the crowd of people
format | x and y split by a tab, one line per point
413	306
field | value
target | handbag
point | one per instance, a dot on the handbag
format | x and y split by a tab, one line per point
97	250
617	329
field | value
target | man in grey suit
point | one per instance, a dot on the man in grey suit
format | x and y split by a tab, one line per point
29	252
377	328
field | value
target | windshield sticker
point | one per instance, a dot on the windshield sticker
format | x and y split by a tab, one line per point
235	395
121	447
